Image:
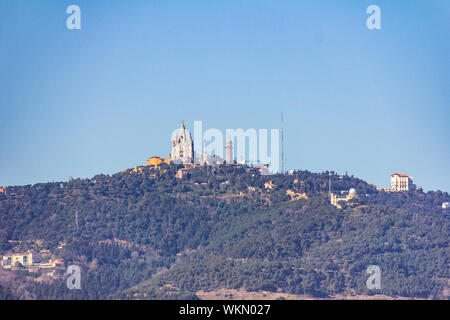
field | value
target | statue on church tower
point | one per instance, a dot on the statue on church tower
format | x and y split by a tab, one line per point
182	146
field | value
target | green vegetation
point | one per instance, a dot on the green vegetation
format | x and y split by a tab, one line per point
212	231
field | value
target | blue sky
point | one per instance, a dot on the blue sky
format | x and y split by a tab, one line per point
107	97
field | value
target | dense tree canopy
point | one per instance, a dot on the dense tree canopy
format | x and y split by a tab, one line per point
221	228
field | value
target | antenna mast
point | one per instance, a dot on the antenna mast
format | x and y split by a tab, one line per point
282	144
329	187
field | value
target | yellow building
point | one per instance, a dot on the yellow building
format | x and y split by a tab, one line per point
296	196
181	173
57	263
264	169
156	161
137	170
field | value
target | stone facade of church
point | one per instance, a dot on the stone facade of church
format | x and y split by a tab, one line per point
182	146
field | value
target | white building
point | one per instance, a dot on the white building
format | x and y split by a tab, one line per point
207	159
335	198
182	146
25	259
445	205
399	182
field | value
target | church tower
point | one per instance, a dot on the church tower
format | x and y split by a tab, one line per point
182	146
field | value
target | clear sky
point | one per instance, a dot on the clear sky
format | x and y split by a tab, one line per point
107	97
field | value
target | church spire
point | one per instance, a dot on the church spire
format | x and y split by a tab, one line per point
182	146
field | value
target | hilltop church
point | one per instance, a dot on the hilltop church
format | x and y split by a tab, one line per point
183	152
182	146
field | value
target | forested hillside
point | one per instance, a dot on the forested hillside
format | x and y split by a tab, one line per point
150	235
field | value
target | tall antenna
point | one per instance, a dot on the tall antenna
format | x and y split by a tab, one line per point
329	187
282	144
285	162
76	219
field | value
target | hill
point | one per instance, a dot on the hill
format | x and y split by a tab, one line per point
146	234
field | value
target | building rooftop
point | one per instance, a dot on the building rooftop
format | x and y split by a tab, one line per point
398	174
